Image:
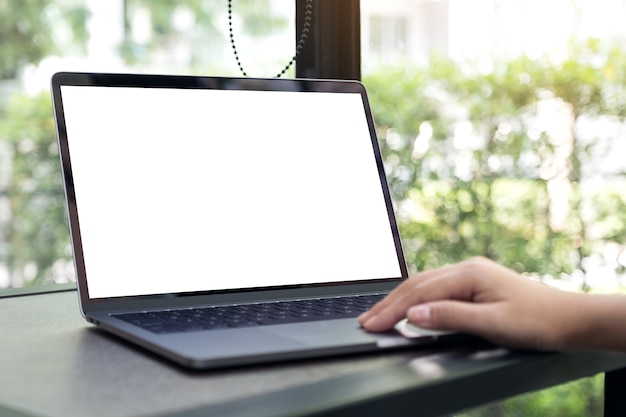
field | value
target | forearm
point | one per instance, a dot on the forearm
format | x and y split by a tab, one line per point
595	322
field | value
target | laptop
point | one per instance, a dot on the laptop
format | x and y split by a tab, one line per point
221	221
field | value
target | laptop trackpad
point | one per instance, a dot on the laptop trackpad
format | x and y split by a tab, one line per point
342	332
348	332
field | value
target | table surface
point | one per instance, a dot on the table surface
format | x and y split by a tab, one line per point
53	363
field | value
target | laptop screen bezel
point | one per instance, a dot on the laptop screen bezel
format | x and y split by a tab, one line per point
203	82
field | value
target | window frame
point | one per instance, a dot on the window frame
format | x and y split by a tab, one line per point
333	45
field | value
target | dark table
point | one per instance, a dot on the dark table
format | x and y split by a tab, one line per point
52	363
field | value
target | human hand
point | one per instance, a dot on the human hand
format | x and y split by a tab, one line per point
480	297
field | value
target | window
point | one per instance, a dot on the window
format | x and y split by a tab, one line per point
402	31
457	91
388	36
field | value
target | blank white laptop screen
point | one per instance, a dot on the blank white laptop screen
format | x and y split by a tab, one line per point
185	190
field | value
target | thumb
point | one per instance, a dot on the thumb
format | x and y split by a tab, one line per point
451	315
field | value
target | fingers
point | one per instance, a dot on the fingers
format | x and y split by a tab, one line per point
451	315
393	307
452	282
489	321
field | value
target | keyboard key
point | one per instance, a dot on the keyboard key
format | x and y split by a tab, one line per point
247	315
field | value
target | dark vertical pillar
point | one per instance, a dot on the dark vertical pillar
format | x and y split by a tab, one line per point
333	45
615	393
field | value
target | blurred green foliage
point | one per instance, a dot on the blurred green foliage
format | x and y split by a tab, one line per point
582	398
196	24
37	237
492	162
27	33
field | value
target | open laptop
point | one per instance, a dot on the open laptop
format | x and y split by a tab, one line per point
228	221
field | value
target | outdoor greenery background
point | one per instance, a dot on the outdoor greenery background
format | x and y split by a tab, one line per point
472	156
486	190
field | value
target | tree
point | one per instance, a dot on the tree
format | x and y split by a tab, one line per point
33	230
37	235
27	31
194	27
475	160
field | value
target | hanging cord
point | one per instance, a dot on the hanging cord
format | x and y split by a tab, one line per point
303	36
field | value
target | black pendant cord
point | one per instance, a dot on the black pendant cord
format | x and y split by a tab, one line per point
303	36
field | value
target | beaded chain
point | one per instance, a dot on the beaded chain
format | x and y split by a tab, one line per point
303	36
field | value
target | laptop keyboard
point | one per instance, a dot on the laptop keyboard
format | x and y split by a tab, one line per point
249	315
